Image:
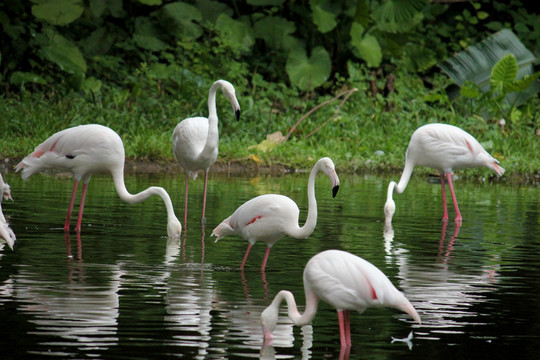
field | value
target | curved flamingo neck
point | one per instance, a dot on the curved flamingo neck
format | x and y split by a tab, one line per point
118	177
390	206
298	319
212	138
405	176
311	220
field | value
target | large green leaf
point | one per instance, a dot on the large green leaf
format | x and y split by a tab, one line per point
63	53
276	32
308	72
147	35
238	32
180	17
503	74
367	46
324	19
210	9
397	16
58	12
476	62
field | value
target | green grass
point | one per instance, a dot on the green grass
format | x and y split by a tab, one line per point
365	135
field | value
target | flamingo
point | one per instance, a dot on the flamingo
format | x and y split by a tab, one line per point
195	140
84	150
343	280
270	217
444	148
5	231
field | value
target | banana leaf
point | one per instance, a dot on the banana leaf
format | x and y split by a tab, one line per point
476	62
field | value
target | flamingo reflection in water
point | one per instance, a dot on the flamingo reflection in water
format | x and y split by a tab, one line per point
445	296
5	231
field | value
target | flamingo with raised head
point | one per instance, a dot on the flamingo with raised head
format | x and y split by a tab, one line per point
5	231
195	140
343	280
445	148
85	150
270	217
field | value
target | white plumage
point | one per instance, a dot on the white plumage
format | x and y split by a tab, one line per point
445	148
343	280
5	231
85	150
195	140
270	217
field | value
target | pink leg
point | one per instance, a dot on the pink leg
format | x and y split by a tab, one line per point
81	207
203	219
185	202
456	208
342	314
245	257
265	259
443	189
347	319
70	208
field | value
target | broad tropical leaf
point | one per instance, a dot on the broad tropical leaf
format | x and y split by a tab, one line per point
308	72
366	45
63	53
276	32
181	17
58	12
476	62
238	32
396	16
324	19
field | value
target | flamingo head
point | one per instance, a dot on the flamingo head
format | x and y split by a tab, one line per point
174	228
327	166
7	192
228	90
269	321
406	306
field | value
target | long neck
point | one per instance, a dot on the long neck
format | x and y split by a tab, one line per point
212	139
405	176
118	177
390	206
297	318
311	220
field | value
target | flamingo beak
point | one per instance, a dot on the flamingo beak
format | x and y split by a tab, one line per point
237	113
335	191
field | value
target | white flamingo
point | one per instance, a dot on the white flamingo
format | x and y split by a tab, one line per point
85	150
343	280
195	140
5	231
270	217
444	148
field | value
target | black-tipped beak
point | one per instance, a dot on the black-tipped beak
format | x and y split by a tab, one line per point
335	190
237	113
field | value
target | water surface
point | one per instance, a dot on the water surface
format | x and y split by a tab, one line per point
122	290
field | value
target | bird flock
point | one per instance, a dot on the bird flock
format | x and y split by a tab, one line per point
339	278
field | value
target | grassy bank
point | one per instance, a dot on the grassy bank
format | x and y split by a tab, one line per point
364	133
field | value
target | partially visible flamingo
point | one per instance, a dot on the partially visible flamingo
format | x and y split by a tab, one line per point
444	148
195	140
270	217
5	231
343	280
85	150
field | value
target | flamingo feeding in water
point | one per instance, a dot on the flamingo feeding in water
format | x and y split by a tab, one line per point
195	140
85	150
343	280
270	217
5	231
444	148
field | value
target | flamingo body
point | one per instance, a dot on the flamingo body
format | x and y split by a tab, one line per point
343	280
5	231
270	217
445	148
195	140
85	150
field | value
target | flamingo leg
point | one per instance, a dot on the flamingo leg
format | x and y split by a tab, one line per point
458	219
265	259
245	256
203	219
70	208
186	201
344	328
443	190
81	207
